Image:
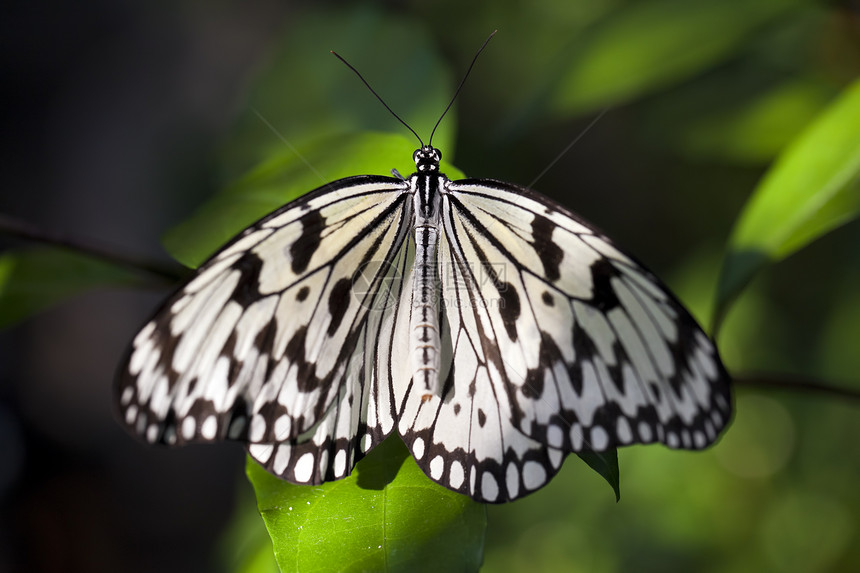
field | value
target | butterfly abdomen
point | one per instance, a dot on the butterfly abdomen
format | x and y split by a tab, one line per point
424	340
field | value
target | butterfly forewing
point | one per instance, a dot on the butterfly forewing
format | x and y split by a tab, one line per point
596	352
256	346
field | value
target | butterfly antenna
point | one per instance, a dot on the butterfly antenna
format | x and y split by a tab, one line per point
462	82
382	101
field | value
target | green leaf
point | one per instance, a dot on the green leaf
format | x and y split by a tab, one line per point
648	45
757	131
810	190
245	546
285	176
606	464
34	279
305	93
386	516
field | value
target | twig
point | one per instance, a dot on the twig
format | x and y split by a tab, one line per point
795	384
166	271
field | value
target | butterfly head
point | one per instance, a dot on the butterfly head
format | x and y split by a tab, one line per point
427	159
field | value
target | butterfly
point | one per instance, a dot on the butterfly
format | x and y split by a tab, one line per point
489	327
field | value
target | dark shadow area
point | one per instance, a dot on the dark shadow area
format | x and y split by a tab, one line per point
381	465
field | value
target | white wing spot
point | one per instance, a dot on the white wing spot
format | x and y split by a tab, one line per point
554	436
456	475
555	457
418	448
189	426
126	396
282	458
645	434
489	487
576	437
141	423
282	427
258	428
340	463
366	442
685	438
261	452
237	426
512	478
599	438
152	433
437	466
717	419
130	414
672	440
709	430
209	427
699	439
304	468
623	431
534	475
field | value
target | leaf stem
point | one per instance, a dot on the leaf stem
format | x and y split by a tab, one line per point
794	383
168	272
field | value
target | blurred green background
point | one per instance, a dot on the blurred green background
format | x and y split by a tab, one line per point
123	117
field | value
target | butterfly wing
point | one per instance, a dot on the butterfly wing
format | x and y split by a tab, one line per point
270	341
562	343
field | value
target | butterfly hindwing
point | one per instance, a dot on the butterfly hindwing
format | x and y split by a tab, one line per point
465	439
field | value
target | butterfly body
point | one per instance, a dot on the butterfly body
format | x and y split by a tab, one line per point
488	326
426	186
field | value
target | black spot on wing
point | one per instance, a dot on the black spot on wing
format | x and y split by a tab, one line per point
533	385
655	389
603	298
167	426
308	242
306	379
247	291
509	308
583	348
547	299
338	303
302	294
681	351
550	254
265	337
295	351
238	419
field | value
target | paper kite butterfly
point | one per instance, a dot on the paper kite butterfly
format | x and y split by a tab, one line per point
491	328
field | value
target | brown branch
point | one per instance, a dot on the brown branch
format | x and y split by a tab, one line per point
794	383
167	272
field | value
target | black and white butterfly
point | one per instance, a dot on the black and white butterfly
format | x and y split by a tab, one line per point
491	328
